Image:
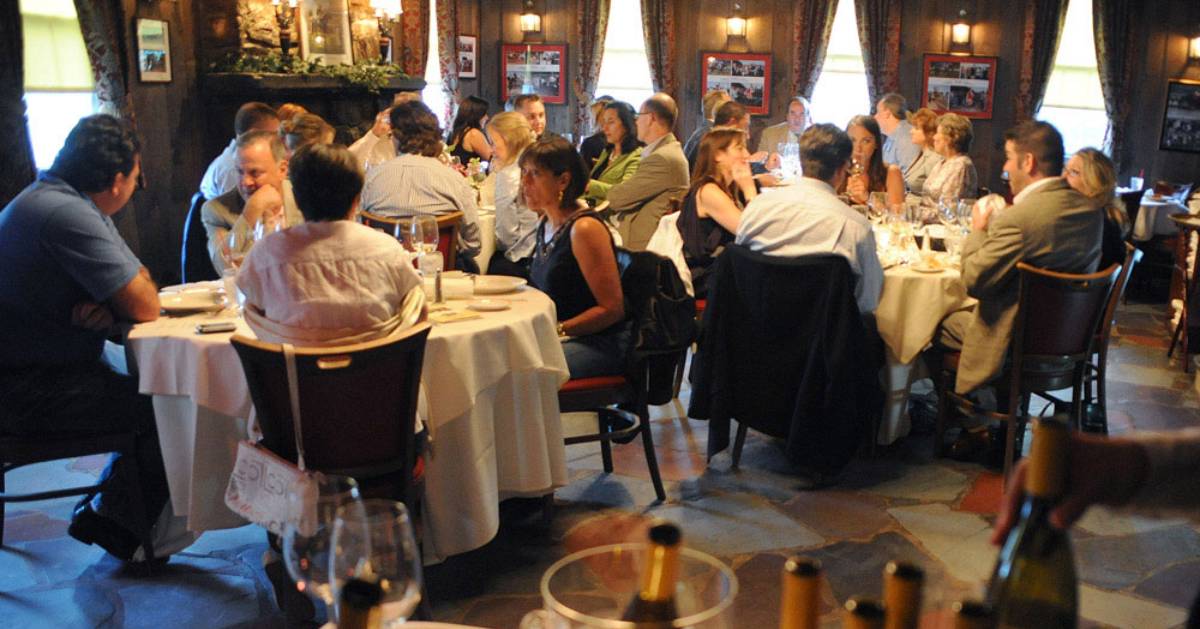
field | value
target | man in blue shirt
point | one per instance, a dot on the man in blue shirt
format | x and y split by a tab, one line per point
66	277
891	112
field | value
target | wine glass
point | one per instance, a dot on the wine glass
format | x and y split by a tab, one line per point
238	244
307	553
407	233
373	539
427	238
877	204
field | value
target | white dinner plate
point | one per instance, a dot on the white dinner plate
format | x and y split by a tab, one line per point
497	284
488	305
191	301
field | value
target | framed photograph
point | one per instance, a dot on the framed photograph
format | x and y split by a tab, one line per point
466	56
960	85
325	32
534	68
154	51
1181	120
746	76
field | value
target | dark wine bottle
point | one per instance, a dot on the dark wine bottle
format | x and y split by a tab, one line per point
1034	583
359	607
902	594
800	602
862	613
654	605
972	615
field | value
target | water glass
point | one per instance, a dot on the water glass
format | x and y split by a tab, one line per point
307	557
229	281
373	540
429	263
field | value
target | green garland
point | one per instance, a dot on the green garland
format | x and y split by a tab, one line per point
367	75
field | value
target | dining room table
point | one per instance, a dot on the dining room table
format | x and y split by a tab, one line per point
490	381
1154	216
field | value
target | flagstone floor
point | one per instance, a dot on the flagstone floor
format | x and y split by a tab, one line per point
903	503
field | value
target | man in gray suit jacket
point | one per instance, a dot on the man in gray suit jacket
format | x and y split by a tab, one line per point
638	202
798	119
1050	226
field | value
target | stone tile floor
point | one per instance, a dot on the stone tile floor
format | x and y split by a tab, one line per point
903	503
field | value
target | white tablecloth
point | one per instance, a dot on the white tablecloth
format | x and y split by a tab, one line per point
910	309
492	386
1153	218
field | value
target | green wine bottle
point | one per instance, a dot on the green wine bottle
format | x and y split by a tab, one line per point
801	600
654	605
1034	582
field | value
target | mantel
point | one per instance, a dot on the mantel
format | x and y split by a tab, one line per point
287	86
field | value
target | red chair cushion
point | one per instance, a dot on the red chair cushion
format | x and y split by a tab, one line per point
701	304
593	384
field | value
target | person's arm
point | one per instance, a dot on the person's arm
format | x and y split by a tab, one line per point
477	143
906	152
138	300
990	255
217	228
508	206
714	203
895	187
870	285
594	252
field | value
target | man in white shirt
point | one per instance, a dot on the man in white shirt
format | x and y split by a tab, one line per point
534	110
808	218
898	148
375	146
221	175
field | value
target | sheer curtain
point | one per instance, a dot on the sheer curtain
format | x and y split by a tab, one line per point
1115	27
1043	27
16	154
592	17
879	35
658	27
812	23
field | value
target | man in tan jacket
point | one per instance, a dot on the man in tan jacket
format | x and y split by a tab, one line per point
638	202
1049	225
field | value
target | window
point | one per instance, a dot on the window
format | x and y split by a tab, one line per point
625	71
432	95
58	75
1074	102
841	91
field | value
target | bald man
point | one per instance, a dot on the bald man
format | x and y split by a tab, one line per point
638	202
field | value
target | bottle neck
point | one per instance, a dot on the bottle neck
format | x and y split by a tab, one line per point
662	570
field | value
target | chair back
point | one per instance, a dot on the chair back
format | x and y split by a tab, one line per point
194	264
1133	255
448	227
1059	313
663	316
358	405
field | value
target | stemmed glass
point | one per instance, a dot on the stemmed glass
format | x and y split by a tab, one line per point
307	553
425	232
373	540
408	233
239	242
877	206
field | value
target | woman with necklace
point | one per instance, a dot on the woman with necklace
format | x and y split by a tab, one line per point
574	260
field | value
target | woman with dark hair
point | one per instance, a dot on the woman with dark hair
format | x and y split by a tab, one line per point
621	156
722	185
575	260
466	138
867	171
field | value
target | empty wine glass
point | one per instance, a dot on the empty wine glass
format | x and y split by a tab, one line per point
408	233
373	539
238	243
877	206
427	239
965	207
307	553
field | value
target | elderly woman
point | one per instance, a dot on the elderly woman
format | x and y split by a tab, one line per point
868	172
955	177
515	223
575	260
721	187
621	157
1091	173
924	126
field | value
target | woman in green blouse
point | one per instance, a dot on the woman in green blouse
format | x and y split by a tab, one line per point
620	158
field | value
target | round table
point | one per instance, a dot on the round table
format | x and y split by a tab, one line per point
492	389
1154	217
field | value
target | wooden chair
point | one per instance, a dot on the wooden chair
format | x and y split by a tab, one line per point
1098	365
1187	274
358	402
449	225
1049	353
194	263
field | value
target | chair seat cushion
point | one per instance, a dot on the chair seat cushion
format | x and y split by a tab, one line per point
593	384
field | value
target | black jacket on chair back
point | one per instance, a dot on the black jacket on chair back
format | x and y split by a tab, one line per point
784	350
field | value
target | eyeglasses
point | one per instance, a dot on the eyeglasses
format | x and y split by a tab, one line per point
642	113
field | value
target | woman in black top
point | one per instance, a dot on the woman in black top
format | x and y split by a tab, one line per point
721	186
1092	174
574	260
466	139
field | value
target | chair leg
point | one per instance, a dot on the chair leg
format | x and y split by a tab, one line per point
1102	394
943	417
1010	444
651	457
738	442
148	519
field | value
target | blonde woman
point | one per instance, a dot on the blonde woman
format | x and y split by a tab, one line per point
1093	175
955	177
515	223
924	126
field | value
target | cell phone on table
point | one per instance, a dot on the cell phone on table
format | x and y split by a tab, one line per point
215	327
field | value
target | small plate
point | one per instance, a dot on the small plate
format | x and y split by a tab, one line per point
488	305
921	268
497	284
191	301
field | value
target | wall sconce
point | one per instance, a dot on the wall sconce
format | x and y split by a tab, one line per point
387	13
1194	49
531	21
736	27
285	16
960	35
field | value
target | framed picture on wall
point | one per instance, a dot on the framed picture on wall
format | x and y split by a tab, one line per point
534	68
960	85
154	51
325	32
1181	120
745	75
466	56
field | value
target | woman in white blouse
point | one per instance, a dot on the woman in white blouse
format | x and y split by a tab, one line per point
955	177
515	223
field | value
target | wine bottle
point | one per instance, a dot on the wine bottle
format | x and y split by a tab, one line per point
1034	582
360	605
862	613
902	594
799	606
972	615
654	605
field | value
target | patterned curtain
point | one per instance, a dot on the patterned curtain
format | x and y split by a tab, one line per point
447	21
414	37
592	17
104	35
1043	28
812	22
879	35
16	155
658	28
1116	29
